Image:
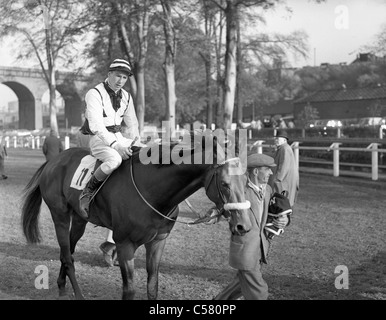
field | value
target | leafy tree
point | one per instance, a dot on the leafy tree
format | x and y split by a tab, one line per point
308	115
48	30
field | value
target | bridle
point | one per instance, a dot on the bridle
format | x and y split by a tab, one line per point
214	177
226	206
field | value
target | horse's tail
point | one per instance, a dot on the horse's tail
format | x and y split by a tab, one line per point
32	201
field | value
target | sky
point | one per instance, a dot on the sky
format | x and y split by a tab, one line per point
337	30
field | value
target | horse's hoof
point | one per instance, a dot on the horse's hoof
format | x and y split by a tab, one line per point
64	297
108	260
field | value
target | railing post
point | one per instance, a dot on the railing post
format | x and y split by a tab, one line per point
66	142
374	160
335	147
259	146
37	142
338	135
295	148
32	142
7	142
15	142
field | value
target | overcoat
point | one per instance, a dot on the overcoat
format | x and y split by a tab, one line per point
248	251
286	175
52	146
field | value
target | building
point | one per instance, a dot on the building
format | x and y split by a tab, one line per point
346	103
9	116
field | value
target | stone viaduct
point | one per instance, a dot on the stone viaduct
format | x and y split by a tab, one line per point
29	86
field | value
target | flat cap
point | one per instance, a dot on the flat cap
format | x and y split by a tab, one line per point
260	160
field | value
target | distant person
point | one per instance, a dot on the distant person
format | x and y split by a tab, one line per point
83	140
286	175
259	125
52	145
3	154
282	124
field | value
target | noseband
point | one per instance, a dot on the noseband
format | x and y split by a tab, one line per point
226	205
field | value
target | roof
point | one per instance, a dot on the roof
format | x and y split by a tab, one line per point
281	107
348	94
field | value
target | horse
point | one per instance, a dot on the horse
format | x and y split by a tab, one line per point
138	202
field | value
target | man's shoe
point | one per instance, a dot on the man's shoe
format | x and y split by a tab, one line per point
4	177
86	195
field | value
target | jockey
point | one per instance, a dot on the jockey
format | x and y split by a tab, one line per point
107	106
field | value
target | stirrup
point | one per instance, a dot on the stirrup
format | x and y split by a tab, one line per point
84	205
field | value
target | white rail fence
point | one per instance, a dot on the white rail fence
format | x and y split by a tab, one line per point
33	142
336	148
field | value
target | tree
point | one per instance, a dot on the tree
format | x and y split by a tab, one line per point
206	54
48	39
308	115
231	10
169	66
142	26
378	47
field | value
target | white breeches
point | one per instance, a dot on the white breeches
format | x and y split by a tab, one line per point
109	156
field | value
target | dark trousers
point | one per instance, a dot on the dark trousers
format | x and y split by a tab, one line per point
247	283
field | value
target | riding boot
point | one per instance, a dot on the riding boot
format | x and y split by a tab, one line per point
85	197
108	249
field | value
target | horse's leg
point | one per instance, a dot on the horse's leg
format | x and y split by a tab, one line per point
154	250
125	252
78	225
62	226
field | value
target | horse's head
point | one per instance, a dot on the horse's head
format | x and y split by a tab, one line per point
225	185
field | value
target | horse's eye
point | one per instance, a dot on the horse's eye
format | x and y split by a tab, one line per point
224	185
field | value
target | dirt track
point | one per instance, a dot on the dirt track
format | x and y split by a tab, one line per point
338	221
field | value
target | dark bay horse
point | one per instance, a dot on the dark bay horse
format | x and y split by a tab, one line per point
134	203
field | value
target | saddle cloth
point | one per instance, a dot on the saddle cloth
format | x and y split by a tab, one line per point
83	173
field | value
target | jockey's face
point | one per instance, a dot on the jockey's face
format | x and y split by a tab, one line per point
117	79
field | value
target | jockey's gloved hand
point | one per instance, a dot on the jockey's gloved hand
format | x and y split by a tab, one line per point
124	151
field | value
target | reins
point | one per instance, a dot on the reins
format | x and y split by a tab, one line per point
199	220
147	202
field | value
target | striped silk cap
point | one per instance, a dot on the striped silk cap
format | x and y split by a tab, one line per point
121	65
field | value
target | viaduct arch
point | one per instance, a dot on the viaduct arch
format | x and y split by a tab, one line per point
29	86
